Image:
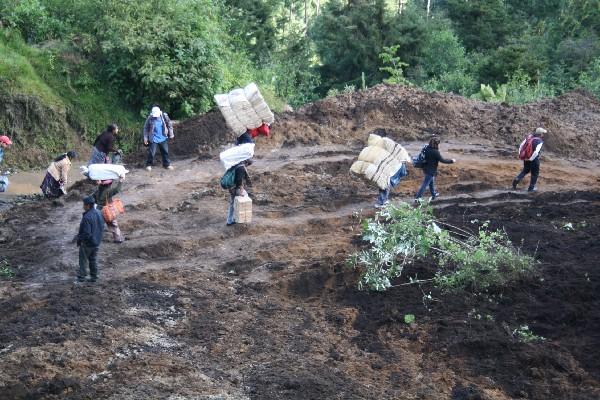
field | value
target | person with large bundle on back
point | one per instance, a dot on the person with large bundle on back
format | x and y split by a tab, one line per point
382	162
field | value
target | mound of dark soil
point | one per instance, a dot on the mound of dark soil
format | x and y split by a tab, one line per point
408	114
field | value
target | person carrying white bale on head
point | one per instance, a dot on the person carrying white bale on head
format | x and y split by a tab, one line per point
246	113
158	129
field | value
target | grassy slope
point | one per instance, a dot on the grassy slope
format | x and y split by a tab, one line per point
52	103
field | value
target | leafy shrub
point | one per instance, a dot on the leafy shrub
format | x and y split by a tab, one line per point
398	236
393	66
459	82
6	270
590	79
486	93
520	90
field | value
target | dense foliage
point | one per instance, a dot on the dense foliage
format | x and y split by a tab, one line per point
180	53
465	261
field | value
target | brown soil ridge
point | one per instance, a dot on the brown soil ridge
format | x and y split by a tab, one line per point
409	114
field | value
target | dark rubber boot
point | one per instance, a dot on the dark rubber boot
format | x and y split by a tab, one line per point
514	184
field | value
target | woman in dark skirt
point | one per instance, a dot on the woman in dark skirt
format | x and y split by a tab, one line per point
57	174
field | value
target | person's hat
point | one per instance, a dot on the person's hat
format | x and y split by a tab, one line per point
155	112
71	154
89	200
6	140
540	131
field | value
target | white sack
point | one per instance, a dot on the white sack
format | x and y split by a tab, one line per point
236	155
231	119
102	172
243	109
258	103
381	159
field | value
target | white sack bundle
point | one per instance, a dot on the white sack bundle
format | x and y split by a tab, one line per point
259	104
231	119
102	172
243	109
381	159
236	154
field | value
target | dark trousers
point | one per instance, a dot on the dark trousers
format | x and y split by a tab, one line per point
429	180
164	152
87	256
532	167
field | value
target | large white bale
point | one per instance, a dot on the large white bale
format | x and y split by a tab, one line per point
258	103
231	119
243	109
381	159
236	154
103	172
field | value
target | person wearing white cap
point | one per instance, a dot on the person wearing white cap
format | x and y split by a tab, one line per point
157	129
5	143
529	152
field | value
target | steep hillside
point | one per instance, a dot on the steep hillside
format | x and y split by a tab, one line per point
48	103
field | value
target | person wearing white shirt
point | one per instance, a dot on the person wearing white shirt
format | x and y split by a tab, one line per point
532	164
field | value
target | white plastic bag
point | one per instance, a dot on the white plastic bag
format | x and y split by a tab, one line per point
236	155
102	172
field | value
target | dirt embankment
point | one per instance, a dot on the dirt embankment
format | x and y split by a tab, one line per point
35	129
408	114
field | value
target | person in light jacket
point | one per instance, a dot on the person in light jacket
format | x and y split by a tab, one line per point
158	128
57	176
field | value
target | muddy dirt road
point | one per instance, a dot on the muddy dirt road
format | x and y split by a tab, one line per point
187	308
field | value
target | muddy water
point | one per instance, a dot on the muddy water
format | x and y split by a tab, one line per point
28	182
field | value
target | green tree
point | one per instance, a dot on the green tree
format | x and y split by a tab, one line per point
482	24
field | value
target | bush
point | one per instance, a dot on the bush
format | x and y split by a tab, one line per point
590	79
459	82
398	236
520	90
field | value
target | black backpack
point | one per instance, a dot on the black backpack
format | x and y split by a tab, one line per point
419	161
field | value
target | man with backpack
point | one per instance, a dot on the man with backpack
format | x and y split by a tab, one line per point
529	152
429	159
233	180
157	129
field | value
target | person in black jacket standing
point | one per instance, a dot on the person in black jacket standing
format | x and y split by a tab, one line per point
89	239
432	159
